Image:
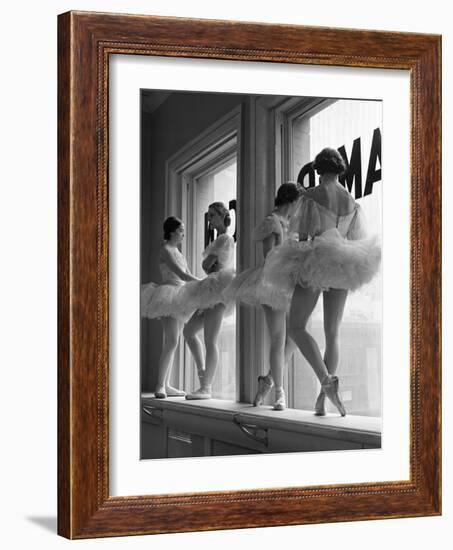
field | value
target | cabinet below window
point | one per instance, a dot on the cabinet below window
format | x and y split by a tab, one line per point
174	428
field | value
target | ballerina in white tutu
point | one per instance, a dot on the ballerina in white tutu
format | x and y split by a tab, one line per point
250	288
332	256
208	298
168	302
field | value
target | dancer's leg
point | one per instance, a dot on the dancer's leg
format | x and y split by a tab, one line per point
191	330
212	325
212	321
334	301
275	321
276	324
290	345
170	390
302	305
171	331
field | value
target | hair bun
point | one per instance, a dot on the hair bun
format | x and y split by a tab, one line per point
329	161
287	193
170	225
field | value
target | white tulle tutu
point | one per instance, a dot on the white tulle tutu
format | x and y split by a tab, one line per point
164	300
209	292
251	288
327	261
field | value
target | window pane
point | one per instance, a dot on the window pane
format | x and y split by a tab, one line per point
217	185
354	126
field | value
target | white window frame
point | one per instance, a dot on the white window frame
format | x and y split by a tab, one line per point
284	116
204	167
211	149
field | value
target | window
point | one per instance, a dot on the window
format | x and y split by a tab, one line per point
354	128
205	171
288	132
218	184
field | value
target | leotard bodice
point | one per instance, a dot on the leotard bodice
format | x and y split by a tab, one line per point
223	249
167	274
272	224
312	219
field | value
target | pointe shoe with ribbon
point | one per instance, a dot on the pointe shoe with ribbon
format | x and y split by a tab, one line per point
280	400
320	405
265	384
330	387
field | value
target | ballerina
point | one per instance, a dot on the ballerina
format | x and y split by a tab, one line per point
168	302
250	288
333	256
208	298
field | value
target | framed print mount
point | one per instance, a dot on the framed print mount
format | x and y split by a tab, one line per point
89	44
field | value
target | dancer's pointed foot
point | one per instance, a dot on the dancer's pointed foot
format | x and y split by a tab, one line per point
160	392
320	406
174	392
202	393
330	387
280	400
265	384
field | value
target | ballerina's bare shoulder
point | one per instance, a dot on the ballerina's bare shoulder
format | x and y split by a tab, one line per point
334	198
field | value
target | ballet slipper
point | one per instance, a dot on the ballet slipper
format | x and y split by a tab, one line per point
320	405
330	387
265	384
280	400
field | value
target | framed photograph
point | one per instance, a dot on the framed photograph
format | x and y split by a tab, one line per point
249	275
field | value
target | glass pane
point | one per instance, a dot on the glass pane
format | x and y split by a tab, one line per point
217	185
351	125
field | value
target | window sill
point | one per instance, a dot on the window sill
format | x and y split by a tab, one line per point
262	429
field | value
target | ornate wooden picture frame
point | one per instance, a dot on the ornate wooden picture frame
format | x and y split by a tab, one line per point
85	507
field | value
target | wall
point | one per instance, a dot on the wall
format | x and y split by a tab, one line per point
28	274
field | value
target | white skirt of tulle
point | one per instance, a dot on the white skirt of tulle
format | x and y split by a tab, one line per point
327	261
209	292
164	300
251	288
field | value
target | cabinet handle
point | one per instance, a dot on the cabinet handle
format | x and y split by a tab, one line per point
252	431
154	413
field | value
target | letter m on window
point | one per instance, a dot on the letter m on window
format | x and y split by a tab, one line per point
353	175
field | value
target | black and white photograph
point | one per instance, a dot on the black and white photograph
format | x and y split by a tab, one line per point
261	276
220	329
